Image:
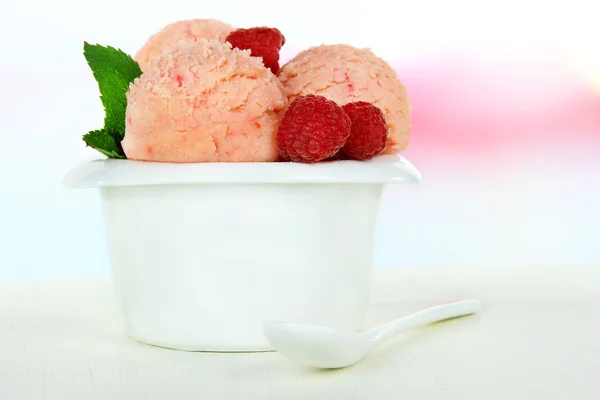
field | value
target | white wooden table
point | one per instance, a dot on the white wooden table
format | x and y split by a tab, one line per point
537	337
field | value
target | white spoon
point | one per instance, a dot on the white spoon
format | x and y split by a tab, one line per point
326	347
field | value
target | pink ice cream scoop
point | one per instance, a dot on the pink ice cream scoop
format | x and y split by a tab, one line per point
181	32
345	74
204	102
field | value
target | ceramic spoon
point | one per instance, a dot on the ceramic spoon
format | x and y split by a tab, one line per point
325	347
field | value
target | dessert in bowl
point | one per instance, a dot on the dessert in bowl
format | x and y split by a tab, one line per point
235	191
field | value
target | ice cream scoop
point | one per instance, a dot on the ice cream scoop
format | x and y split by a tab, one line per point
326	347
204	102
181	32
345	74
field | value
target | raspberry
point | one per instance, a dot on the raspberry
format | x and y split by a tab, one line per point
339	156
368	133
262	42
312	129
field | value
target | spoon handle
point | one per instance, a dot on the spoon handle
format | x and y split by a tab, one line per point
422	317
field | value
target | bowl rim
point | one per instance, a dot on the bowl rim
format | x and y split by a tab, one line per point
101	173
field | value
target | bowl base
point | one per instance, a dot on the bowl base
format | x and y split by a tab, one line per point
206	348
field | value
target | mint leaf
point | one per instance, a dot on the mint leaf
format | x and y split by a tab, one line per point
114	70
105	143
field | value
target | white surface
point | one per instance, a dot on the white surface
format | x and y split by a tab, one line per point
300	252
536	338
327	347
110	172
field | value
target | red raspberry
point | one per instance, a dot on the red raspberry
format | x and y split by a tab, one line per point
312	129
262	42
368	133
339	156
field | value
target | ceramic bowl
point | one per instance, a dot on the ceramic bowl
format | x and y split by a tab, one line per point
203	253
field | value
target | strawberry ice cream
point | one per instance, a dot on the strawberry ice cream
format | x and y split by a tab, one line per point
204	102
187	31
345	74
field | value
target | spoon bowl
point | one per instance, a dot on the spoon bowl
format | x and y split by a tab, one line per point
316	345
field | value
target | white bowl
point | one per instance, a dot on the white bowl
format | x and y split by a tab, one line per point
203	253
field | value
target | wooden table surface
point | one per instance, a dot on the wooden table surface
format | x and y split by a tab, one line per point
537	337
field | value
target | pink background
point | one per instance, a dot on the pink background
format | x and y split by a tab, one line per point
506	123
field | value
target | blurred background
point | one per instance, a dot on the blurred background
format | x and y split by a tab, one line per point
506	123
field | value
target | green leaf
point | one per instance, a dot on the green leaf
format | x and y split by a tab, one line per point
105	143
114	71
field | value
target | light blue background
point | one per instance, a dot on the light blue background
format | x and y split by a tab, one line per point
538	209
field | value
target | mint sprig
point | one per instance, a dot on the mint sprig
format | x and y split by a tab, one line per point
114	71
104	143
